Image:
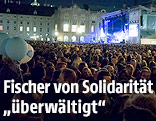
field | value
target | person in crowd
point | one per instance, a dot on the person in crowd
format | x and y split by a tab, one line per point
74	63
145	74
9	70
140	107
130	71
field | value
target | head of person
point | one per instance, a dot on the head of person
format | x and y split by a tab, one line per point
31	63
6	60
134	63
78	73
38	73
122	60
53	56
93	70
145	74
123	75
50	64
152	64
25	68
60	54
153	71
120	67
105	62
61	65
62	59
49	73
86	72
130	70
139	58
82	65
110	69
67	76
140	107
144	63
104	75
76	62
129	58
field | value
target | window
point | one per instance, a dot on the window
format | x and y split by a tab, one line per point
1	28
93	22
48	30
73	38
27	22
21	22
21	28
92	28
56	28
41	24
8	28
74	27
48	24
40	29
65	38
82	27
82	40
28	29
35	13
65	27
8	10
14	28
14	22
1	21
8	22
34	29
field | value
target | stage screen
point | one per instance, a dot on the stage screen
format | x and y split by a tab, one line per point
133	30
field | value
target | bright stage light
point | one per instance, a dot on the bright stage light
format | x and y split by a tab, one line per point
119	36
102	34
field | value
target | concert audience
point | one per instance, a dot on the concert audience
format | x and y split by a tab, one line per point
74	63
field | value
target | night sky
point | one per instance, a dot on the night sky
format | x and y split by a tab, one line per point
90	2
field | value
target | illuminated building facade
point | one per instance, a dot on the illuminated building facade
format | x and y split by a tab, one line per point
74	24
26	21
35	22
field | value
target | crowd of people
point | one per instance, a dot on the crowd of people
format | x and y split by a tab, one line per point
74	63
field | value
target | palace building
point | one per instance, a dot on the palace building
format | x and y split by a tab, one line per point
35	22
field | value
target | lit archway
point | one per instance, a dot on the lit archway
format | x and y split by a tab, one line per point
65	38
82	40
74	39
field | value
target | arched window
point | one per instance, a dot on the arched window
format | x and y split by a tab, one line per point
73	38
65	38
82	39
